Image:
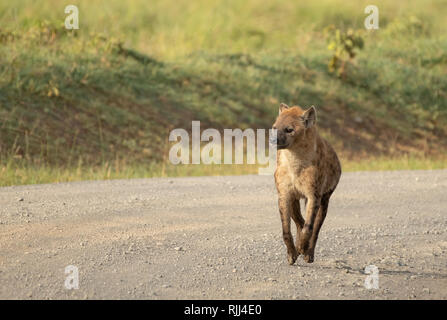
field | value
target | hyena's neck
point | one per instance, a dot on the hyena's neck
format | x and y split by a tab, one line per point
304	151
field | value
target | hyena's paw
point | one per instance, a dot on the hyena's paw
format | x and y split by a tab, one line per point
308	255
292	257
309	258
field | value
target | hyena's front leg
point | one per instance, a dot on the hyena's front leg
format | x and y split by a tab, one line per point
285	207
299	222
313	204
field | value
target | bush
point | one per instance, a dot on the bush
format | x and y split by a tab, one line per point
344	46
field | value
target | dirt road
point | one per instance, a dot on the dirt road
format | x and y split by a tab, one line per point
220	237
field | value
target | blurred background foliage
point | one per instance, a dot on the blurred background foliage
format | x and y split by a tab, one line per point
110	92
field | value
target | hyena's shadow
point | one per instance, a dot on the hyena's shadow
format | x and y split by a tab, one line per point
357	270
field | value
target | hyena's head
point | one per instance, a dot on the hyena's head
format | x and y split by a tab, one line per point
291	123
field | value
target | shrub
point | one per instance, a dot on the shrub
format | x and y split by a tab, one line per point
344	46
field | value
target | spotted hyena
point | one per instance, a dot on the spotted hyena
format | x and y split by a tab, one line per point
308	168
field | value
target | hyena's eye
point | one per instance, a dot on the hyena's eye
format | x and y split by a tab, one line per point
289	130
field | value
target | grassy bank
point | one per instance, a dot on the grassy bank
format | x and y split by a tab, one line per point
75	103
14	173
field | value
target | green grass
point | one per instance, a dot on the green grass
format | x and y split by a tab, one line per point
172	28
20	173
110	92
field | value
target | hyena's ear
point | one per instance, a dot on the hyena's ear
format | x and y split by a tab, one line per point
283	107
309	117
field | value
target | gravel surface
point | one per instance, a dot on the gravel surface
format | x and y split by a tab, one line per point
220	238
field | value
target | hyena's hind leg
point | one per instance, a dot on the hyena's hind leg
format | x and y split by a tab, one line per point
299	221
319	219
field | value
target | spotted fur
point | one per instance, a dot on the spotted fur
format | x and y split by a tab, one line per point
307	168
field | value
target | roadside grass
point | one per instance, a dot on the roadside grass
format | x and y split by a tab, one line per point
59	104
16	173
72	102
166	29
